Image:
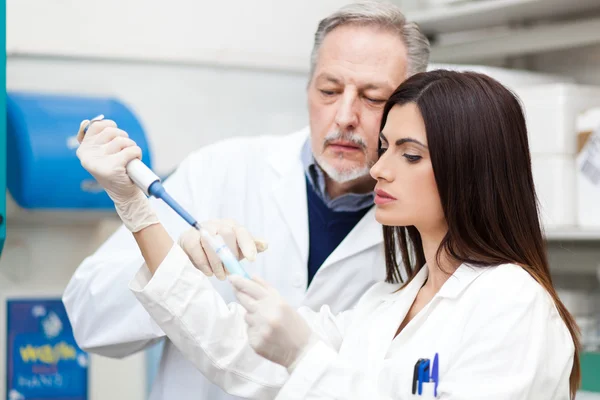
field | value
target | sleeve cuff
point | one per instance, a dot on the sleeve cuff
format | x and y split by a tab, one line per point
145	285
308	371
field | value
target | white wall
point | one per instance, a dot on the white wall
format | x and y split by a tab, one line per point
259	33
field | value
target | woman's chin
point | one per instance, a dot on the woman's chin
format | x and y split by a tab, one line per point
387	218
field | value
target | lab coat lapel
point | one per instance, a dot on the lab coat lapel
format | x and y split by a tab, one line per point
383	323
460	280
366	234
289	190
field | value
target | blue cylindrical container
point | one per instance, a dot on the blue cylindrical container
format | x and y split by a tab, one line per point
43	171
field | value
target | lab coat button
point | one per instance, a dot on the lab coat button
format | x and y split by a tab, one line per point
298	282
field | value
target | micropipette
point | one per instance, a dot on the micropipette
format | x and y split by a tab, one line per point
151	185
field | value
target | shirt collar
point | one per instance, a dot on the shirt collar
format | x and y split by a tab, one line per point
348	202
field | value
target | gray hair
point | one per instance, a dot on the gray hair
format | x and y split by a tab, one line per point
381	15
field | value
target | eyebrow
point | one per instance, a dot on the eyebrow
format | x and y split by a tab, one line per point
400	142
329	78
368	86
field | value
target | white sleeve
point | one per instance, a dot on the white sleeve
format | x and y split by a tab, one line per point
104	314
212	334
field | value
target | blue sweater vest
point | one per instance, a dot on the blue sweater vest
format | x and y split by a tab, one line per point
327	229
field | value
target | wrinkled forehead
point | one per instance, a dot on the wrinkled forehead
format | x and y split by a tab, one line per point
362	55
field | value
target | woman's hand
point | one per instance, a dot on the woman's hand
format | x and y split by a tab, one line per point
275	330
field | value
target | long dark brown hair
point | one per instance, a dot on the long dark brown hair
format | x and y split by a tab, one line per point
477	139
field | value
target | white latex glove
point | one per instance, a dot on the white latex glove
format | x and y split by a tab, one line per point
241	243
104	151
275	330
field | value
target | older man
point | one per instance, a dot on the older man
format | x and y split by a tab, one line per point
309	194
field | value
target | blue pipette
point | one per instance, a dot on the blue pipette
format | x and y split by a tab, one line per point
151	185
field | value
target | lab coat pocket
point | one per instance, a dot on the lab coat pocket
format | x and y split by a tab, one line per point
426	394
428	391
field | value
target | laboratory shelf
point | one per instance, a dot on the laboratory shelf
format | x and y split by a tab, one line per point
522	27
590	372
519	42
576	234
488	13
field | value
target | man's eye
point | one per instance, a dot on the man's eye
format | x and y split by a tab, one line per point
375	101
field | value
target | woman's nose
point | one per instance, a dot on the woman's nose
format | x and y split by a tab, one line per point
378	171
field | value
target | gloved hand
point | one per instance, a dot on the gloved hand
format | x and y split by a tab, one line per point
237	238
104	151
275	330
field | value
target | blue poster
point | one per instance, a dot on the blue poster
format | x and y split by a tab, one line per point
43	360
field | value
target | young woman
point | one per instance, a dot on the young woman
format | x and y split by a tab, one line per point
477	317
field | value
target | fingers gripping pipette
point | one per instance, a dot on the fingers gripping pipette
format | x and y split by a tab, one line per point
151	185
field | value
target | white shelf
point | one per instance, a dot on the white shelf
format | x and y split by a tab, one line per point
17	216
487	13
573	234
520	41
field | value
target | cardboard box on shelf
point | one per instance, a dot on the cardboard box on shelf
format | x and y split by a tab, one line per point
551	112
588	171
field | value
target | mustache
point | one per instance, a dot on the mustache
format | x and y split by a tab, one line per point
350	137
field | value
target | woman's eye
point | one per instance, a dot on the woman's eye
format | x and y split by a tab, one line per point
380	151
411	158
327	92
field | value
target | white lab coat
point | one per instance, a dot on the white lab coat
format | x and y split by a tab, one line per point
496	331
259	182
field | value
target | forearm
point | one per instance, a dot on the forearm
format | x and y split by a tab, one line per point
210	333
154	243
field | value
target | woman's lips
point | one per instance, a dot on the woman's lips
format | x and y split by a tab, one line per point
382	197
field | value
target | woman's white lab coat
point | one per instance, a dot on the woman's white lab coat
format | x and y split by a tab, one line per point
496	331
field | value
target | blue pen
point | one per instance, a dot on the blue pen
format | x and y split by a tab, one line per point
435	374
423	375
415	378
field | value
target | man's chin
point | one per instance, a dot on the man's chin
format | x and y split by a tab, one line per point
344	175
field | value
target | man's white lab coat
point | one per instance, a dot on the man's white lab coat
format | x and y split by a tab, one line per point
260	183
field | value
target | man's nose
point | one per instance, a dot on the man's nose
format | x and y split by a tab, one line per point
347	113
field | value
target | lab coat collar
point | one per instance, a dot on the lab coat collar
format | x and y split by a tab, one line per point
460	280
289	154
464	275
412	288
367	233
290	195
289	191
